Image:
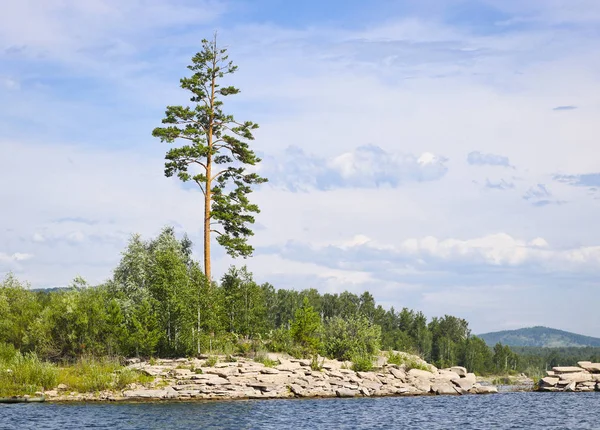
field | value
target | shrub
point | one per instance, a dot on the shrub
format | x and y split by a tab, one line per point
314	363
362	363
347	338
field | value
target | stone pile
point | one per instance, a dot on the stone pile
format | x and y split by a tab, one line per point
185	379
584	377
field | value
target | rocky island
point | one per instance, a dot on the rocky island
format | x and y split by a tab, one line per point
584	377
284	377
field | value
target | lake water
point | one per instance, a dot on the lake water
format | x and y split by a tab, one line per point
501	411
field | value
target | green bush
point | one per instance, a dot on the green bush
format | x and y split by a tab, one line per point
351	337
362	363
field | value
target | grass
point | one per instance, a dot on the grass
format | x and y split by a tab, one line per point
408	361
25	374
92	375
22	374
211	361
266	361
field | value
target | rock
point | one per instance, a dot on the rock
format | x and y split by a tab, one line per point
589	366
550	372
448	375
418	373
365	392
483	389
150	394
576	377
422	385
549	381
570	387
367	375
460	371
62	387
444	388
559	370
222	372
287	366
398	374
269	371
345	392
465	384
130	361
297	390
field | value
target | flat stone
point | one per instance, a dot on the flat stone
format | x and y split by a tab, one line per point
576	377
589	366
566	369
484	389
269	371
549	381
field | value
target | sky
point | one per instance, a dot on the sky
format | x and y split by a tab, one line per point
441	154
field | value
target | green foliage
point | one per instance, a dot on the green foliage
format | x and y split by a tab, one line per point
315	364
214	139
24	373
362	363
211	361
409	362
265	360
306	328
352	337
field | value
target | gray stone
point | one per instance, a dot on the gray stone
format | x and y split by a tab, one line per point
398	374
465	384
566	369
570	387
62	387
549	381
345	392
484	389
576	377
460	371
589	366
418	373
444	388
269	371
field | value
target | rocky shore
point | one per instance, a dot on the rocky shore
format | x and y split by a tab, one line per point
284	377
584	377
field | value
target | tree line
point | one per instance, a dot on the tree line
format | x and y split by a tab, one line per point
159	303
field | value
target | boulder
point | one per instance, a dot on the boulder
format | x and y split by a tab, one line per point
418	373
422	385
444	388
297	390
460	371
446	375
62	387
345	392
465	384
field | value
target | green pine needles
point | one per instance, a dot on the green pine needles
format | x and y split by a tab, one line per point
215	154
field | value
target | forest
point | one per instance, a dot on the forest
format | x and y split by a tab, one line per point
159	303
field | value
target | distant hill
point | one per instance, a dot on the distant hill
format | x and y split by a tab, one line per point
539	336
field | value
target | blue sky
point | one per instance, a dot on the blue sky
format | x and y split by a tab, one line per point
441	154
